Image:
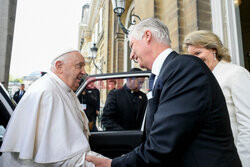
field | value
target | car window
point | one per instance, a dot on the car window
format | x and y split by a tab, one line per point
115	104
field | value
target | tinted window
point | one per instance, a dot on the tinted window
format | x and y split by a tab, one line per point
115	104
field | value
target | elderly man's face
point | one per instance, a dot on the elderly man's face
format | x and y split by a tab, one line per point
137	51
73	70
141	51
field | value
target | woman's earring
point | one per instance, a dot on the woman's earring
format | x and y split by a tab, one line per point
214	56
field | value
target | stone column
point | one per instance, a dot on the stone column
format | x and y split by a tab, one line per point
119	44
7	21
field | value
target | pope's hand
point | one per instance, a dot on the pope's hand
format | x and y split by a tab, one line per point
99	162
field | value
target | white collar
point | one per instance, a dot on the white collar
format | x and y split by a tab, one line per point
63	84
156	68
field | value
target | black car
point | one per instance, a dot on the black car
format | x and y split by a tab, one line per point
108	143
7	106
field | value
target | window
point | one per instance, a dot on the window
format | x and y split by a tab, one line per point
115	104
96	32
100	20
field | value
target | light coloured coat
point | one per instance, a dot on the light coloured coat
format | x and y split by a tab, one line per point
235	84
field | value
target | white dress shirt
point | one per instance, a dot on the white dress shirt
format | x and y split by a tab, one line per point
156	68
21	92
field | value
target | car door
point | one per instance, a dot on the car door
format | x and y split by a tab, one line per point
6	108
113	143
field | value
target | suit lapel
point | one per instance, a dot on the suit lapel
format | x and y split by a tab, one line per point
154	102
159	82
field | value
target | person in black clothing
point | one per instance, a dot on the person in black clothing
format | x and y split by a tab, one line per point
90	98
125	108
19	94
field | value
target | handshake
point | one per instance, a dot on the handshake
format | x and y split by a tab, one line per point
94	159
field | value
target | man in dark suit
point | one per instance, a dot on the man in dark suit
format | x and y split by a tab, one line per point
124	108
19	94
90	98
187	122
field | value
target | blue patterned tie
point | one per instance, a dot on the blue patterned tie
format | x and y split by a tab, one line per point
151	81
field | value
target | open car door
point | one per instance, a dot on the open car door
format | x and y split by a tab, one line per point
6	108
113	143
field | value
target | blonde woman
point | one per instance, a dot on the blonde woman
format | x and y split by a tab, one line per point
234	81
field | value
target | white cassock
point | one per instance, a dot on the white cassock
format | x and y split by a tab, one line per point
47	128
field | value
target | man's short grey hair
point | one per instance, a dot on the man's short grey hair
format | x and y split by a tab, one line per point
158	29
62	57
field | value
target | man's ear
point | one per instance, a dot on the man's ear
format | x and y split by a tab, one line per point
148	36
58	66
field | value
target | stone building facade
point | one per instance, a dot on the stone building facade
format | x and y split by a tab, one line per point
229	19
7	22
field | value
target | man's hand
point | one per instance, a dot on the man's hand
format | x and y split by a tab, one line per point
99	162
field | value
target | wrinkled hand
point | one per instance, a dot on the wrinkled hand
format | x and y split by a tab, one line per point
99	162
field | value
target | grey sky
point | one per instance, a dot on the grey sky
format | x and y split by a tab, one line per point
42	29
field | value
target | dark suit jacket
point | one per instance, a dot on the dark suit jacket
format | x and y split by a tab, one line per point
187	122
120	113
16	96
92	101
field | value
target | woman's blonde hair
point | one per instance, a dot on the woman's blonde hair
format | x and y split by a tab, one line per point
208	40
